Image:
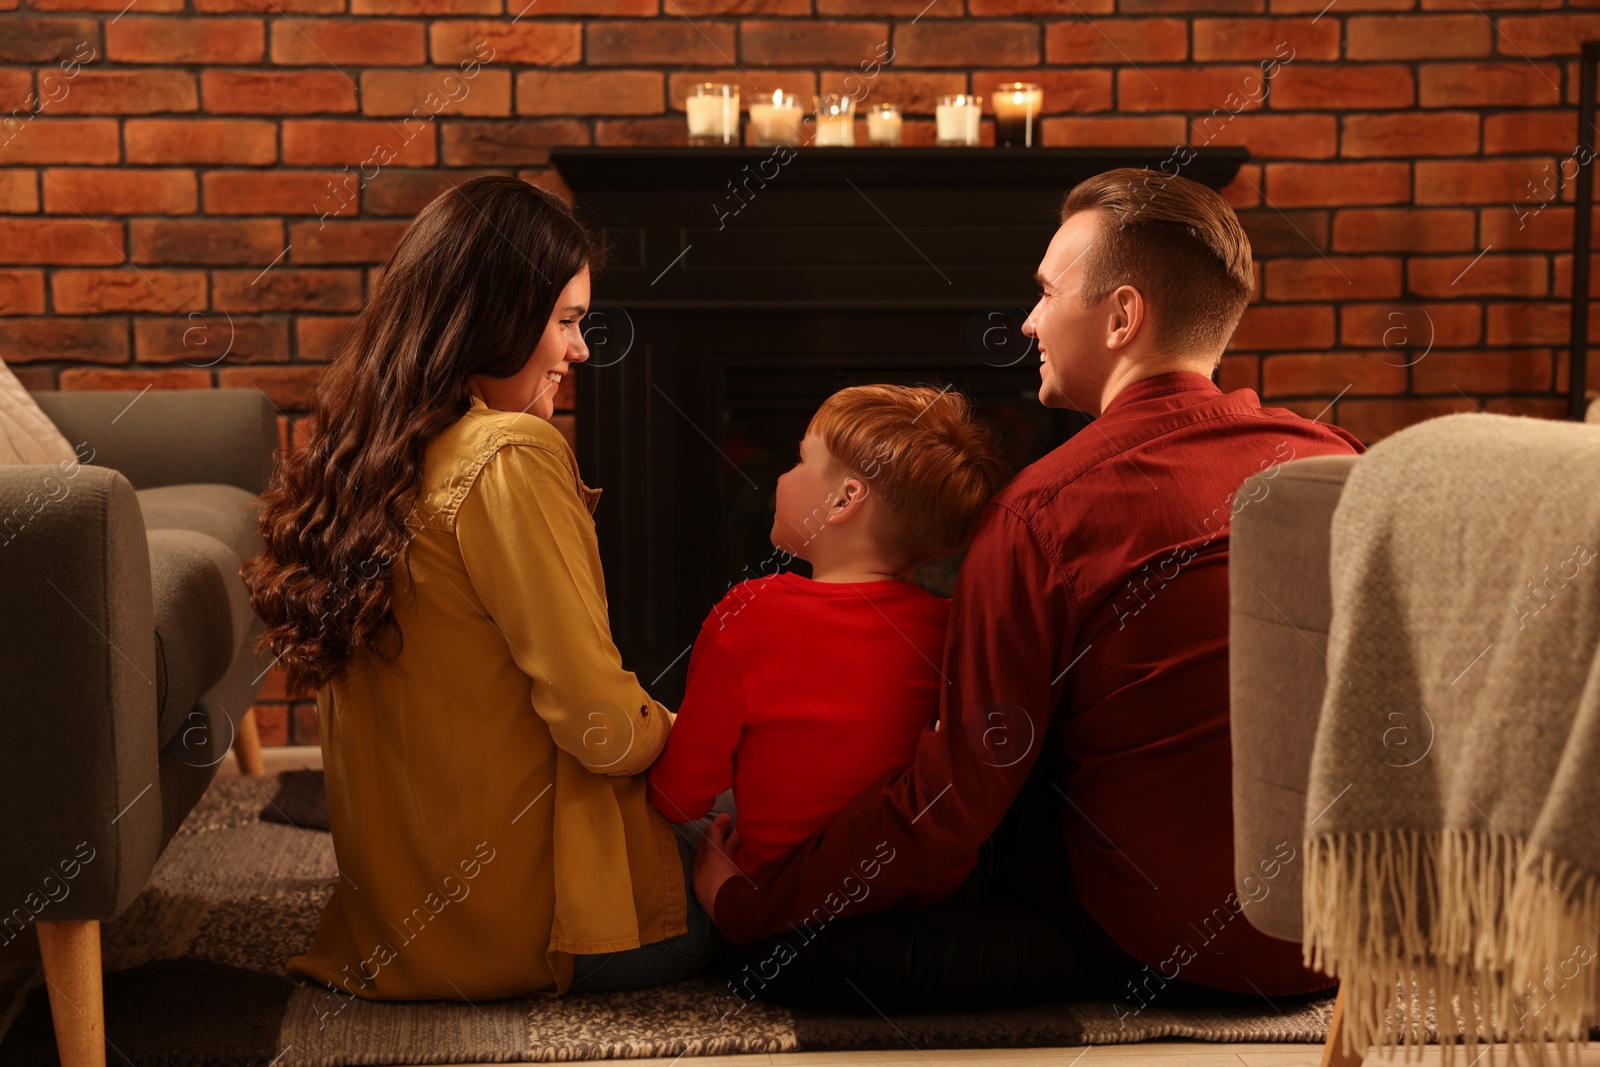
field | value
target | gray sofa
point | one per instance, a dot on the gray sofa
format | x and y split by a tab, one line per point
126	662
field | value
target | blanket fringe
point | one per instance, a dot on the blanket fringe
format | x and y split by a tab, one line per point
1470	918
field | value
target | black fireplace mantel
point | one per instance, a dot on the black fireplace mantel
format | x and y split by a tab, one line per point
756	280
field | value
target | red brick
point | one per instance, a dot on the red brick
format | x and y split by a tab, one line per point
62	141
1373	420
1173	7
1332	373
104	191
372	42
1496	5
1404	230
16	92
1333	278
1337	87
286	289
1417	36
1526	371
21	293
290	388
1491	275
1546	35
305	725
803	84
1192	88
344	242
1035	7
275	686
137	39
1123	40
1335	184
429	7
1258	39
548	178
966	44
1489	84
281	8
1530	226
600	92
611	8
89	291
97	340
1530	132
860	8
675	42
128	92
19	191
1275	326
1284	233
45	40
211	242
691	8
272	724
1239	372
1130	130
369	144
435	92
1245	188
1270	136
60	241
542	44
474	142
278	192
1409	330
1410	134
1489	181
211	339
200	141
406	192
804	42
97	380
1563	276
1529	324
315	336
260	92
1064	90
671	131
145	6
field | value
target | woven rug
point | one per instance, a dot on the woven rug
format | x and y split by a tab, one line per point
194	978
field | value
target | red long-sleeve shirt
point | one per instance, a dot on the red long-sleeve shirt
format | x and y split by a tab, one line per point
1095	595
800	695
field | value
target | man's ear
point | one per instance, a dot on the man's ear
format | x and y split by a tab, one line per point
847	502
1128	311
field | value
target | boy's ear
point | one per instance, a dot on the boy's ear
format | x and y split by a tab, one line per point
847	502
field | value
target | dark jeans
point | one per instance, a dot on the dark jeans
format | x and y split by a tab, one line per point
659	962
1014	933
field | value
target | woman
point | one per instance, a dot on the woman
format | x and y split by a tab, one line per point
430	565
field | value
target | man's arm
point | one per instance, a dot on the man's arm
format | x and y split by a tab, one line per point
1009	623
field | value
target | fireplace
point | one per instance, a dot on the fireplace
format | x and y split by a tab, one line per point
744	286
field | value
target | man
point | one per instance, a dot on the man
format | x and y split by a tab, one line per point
1086	660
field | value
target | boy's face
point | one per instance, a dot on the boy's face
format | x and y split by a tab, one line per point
806	495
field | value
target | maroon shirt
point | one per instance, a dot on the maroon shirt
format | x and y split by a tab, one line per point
1095	598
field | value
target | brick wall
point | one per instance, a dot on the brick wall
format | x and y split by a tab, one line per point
1409	198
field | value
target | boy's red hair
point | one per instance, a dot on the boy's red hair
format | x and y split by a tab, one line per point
933	464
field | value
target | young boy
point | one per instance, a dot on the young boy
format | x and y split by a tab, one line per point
804	691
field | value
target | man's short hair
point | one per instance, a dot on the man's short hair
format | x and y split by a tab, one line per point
932	463
1178	243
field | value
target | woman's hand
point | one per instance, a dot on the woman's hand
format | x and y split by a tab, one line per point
713	862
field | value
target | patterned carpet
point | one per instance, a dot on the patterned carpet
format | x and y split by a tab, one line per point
194	978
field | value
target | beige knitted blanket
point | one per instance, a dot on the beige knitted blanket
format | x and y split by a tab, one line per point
1453	815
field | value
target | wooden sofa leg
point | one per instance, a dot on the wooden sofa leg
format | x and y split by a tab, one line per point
247	746
1333	1051
71	953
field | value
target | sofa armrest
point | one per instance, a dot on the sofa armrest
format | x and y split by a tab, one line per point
171	437
78	735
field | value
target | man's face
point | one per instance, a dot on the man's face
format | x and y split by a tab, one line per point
1073	362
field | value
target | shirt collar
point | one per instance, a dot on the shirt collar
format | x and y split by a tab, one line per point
1178	381
474	402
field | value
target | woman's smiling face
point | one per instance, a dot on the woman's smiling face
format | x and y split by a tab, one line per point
533	388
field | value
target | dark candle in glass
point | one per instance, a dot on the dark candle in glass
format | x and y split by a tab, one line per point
1016	115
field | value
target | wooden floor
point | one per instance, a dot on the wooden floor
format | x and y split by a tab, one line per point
19	959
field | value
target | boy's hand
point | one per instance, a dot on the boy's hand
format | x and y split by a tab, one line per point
713	862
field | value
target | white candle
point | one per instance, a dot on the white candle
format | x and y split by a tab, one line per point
883	124
956	118
777	122
714	114
835	130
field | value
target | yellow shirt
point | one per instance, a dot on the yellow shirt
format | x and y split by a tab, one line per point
486	788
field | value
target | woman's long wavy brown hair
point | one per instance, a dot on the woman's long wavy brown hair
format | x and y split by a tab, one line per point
469	289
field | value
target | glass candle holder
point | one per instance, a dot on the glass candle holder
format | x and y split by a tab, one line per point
884	124
957	118
713	112
836	121
776	119
1016	114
